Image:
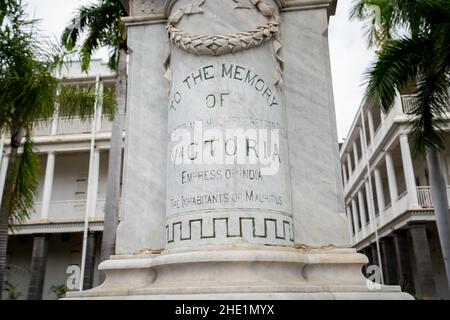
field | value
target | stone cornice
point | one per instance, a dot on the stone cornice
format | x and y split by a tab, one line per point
155	12
145	19
291	5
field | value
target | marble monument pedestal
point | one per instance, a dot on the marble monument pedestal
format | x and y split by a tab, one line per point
244	272
231	158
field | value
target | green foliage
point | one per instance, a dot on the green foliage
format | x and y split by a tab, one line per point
379	24
59	290
16	272
26	184
417	296
388	19
7	6
80	102
28	92
413	40
11	290
109	103
101	24
27	84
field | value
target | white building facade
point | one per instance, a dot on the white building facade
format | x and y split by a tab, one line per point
387	197
49	244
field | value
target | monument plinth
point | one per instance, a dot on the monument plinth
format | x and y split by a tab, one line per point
231	183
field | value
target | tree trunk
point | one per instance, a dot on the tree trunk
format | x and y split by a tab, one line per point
5	209
440	204
111	219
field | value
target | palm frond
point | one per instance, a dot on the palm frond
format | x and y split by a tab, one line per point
80	102
101	24
428	113
109	103
379	16
77	102
26	184
397	64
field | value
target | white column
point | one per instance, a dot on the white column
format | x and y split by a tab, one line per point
344	173
54	126
408	171
349	165
355	153
370	206
362	212
362	142
2	146
92	187
380	192
444	167
392	181
349	219
371	128
3	170
48	186
98	120
381	118
355	217
93	184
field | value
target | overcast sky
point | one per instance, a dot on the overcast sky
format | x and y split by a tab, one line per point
349	54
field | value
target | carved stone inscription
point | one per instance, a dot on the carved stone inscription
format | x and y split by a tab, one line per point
228	172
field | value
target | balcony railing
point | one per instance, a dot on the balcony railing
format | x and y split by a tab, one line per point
63	210
424	196
42	127
408	102
72	125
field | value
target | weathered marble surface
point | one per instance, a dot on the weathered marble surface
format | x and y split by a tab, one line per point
245	219
316	186
244	272
316	190
247	269
144	186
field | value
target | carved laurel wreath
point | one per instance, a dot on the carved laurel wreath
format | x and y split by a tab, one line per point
216	45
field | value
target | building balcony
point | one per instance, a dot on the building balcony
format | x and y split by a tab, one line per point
67	211
64	216
408	102
67	125
383	130
401	207
425	198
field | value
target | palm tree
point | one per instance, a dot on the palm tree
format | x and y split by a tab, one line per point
103	26
413	40
28	89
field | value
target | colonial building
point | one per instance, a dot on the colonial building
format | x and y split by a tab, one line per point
44	254
388	197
